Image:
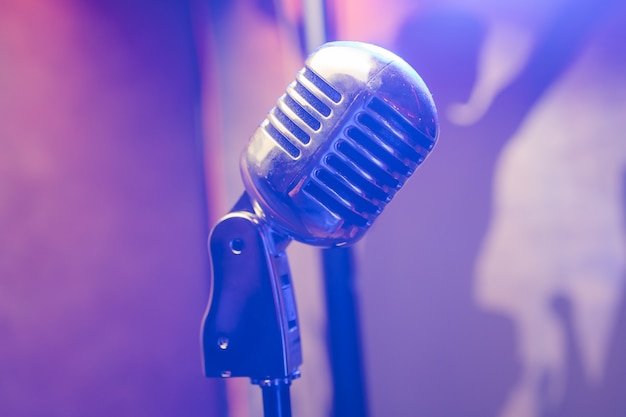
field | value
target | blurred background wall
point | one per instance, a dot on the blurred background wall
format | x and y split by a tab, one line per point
494	285
491	286
103	212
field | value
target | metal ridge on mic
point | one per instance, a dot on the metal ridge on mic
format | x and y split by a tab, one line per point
344	138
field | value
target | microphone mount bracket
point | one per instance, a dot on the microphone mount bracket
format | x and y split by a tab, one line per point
251	326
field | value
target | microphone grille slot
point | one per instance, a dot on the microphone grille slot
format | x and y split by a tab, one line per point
296	111
396	152
291	126
379	175
345	191
359	204
312	99
326	89
361	181
316	92
334	204
351	185
282	140
301	113
397	122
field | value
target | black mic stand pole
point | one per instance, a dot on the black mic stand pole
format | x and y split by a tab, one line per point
276	399
251	328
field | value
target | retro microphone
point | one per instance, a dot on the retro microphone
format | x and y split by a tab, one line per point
344	138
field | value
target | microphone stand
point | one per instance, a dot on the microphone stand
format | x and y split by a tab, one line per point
344	336
250	328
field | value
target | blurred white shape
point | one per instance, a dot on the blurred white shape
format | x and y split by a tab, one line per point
558	229
502	57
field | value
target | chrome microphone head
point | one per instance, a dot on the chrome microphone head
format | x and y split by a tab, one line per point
343	139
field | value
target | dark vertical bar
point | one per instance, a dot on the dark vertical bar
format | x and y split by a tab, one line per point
344	334
276	399
344	344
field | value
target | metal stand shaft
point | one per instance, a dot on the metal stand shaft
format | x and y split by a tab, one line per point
276	398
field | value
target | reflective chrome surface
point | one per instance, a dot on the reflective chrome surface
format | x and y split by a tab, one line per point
251	327
338	145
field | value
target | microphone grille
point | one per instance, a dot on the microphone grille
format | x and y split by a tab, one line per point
300	110
373	157
343	139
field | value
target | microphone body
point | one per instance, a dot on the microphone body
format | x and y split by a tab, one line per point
338	145
344	138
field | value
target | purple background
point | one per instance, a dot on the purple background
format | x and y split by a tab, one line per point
114	117
103	220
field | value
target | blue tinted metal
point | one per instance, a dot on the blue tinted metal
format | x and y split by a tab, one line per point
366	186
377	151
371	156
324	87
392	140
360	204
282	141
328	201
380	176
315	102
398	122
302	114
293	128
